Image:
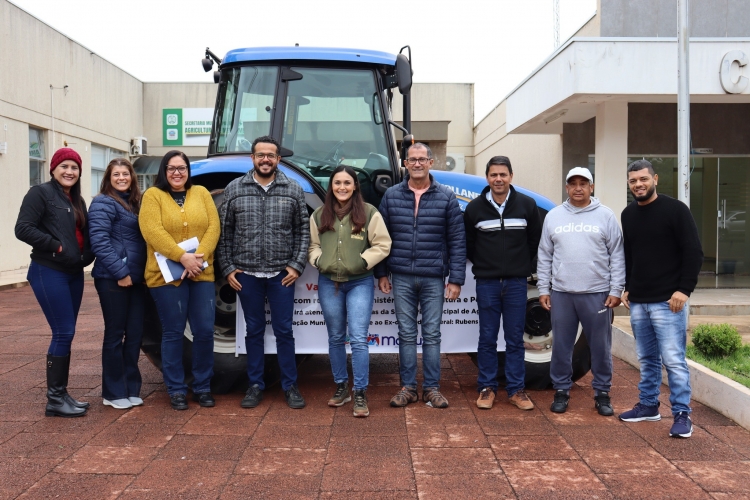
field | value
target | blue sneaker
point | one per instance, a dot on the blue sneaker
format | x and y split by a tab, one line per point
682	427
641	412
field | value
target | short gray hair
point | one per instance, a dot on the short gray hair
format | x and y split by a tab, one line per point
420	145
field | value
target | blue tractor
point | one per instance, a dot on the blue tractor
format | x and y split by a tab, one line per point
325	106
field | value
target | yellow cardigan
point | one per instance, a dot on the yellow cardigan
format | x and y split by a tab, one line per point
164	224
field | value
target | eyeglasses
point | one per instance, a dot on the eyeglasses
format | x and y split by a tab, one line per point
182	170
260	156
414	161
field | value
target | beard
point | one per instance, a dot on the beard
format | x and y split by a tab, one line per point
264	175
649	194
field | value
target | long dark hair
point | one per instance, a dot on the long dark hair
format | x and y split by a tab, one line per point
134	197
161	178
357	215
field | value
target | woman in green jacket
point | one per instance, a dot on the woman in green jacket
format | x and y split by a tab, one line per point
347	239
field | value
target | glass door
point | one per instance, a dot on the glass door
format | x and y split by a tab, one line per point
733	196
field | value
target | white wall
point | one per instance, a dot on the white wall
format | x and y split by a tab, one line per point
436	102
157	96
102	106
536	159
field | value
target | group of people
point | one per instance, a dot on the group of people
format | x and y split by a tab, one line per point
262	237
586	266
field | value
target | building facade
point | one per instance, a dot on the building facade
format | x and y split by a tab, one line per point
605	97
609	96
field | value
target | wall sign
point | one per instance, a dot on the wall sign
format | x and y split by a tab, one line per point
186	126
737	83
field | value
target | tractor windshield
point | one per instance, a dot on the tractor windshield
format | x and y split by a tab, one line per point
332	117
328	117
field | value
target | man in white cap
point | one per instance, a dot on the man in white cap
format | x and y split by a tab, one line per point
581	276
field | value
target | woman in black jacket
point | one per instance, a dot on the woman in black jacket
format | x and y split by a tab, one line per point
118	277
53	221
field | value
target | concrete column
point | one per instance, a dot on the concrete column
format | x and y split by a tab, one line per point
611	150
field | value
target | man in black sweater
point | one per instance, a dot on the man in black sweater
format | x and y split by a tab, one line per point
663	257
503	228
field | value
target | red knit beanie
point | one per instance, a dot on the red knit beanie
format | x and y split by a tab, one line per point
63	154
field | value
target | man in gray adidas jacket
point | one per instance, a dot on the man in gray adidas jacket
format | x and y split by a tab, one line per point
581	258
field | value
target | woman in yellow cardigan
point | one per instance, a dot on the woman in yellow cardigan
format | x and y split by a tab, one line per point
173	211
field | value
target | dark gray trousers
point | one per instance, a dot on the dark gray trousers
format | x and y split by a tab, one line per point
588	309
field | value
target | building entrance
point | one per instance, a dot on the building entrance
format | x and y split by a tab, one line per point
719	201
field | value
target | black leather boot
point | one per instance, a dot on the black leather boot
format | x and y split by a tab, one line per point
68	397
57	376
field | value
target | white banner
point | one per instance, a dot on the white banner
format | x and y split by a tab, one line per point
459	327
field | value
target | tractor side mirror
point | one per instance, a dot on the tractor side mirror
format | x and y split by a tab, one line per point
285	153
403	74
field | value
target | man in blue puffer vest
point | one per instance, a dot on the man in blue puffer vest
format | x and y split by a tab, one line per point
427	228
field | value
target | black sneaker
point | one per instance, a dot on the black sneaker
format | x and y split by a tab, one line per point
641	412
603	404
204	399
560	404
178	402
341	396
360	404
293	398
682	427
252	398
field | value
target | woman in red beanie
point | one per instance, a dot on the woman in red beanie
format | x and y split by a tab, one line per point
53	221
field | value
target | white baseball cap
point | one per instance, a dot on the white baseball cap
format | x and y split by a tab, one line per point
580	171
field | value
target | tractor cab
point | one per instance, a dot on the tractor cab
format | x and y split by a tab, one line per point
326	107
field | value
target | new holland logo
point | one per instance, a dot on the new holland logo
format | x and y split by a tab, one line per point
576	228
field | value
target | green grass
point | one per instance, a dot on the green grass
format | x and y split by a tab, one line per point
736	366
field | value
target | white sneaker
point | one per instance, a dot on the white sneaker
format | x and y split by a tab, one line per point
135	401
118	404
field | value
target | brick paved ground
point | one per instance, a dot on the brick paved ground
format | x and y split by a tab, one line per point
274	452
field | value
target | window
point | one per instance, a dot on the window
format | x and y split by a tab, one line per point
36	156
145	181
100	158
247	105
333	117
98	166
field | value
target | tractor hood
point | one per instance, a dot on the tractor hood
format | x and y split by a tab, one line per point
241	164
467	187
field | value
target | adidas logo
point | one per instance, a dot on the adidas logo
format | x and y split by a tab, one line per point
576	228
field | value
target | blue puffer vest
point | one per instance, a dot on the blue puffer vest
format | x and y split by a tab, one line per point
116	241
433	243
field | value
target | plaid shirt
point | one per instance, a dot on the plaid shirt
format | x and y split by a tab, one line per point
263	231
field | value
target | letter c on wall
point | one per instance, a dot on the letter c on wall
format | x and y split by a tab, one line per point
730	85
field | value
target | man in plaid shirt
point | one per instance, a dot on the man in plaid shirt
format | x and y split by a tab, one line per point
265	232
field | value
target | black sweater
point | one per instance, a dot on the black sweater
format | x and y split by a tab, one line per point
502	247
662	250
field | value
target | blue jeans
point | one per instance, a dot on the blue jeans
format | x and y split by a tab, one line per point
60	296
507	299
351	303
412	293
122	308
660	337
193	301
253	297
